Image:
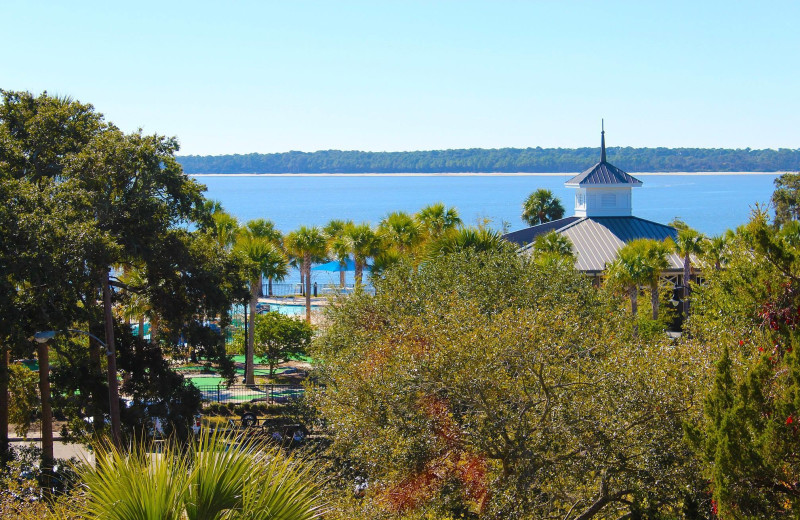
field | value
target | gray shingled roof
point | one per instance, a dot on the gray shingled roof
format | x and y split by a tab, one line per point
596	240
605	174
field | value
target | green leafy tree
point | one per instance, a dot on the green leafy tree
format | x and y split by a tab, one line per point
491	387
747	437
279	338
541	206
786	198
24	398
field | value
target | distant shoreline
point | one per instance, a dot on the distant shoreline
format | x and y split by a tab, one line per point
562	174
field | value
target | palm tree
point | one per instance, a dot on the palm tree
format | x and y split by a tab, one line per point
655	255
554	243
261	256
436	220
308	245
688	243
226	228
209	479
401	231
338	245
627	272
364	244
474	239
715	251
541	206
266	229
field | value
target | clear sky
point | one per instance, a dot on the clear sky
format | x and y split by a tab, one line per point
260	76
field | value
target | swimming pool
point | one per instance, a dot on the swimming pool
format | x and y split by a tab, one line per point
289	309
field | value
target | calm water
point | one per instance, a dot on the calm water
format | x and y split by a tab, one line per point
709	203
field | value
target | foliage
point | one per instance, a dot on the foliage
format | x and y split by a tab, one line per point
747	437
218	477
469	239
485	385
278	338
538	160
23	397
541	206
786	198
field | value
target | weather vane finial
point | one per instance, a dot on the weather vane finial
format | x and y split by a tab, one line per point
602	141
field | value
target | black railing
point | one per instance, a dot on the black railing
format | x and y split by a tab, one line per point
296	290
261	393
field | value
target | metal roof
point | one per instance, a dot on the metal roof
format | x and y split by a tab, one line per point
606	174
596	240
528	235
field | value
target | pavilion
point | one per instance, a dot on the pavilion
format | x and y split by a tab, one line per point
603	221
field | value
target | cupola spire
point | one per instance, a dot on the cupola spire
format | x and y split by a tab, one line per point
602	142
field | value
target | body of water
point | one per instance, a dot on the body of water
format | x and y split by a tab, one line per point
709	203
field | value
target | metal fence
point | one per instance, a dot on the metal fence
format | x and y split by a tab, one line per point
296	290
269	394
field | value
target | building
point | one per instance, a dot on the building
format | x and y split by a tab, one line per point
603	221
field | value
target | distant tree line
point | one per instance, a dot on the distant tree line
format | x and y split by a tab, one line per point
530	160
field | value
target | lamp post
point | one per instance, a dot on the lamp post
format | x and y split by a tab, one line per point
113	387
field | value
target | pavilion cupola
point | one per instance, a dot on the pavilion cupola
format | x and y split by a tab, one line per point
603	190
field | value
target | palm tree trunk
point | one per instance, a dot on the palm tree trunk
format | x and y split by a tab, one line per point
269	286
249	375
307	268
654	298
687	273
359	273
633	292
342	278
47	415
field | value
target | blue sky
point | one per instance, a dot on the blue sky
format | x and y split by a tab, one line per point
240	77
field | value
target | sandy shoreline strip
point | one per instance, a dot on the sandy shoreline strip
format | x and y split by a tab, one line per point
562	174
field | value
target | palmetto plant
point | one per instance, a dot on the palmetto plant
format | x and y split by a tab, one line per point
262	257
218	477
308	245
541	206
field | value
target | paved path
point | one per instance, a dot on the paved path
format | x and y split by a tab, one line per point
61	450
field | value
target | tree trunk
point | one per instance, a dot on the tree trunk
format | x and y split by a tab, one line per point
342	278
47	416
654	298
96	350
633	292
141	327
4	380
113	386
269	286
249	374
687	273
307	268
359	273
